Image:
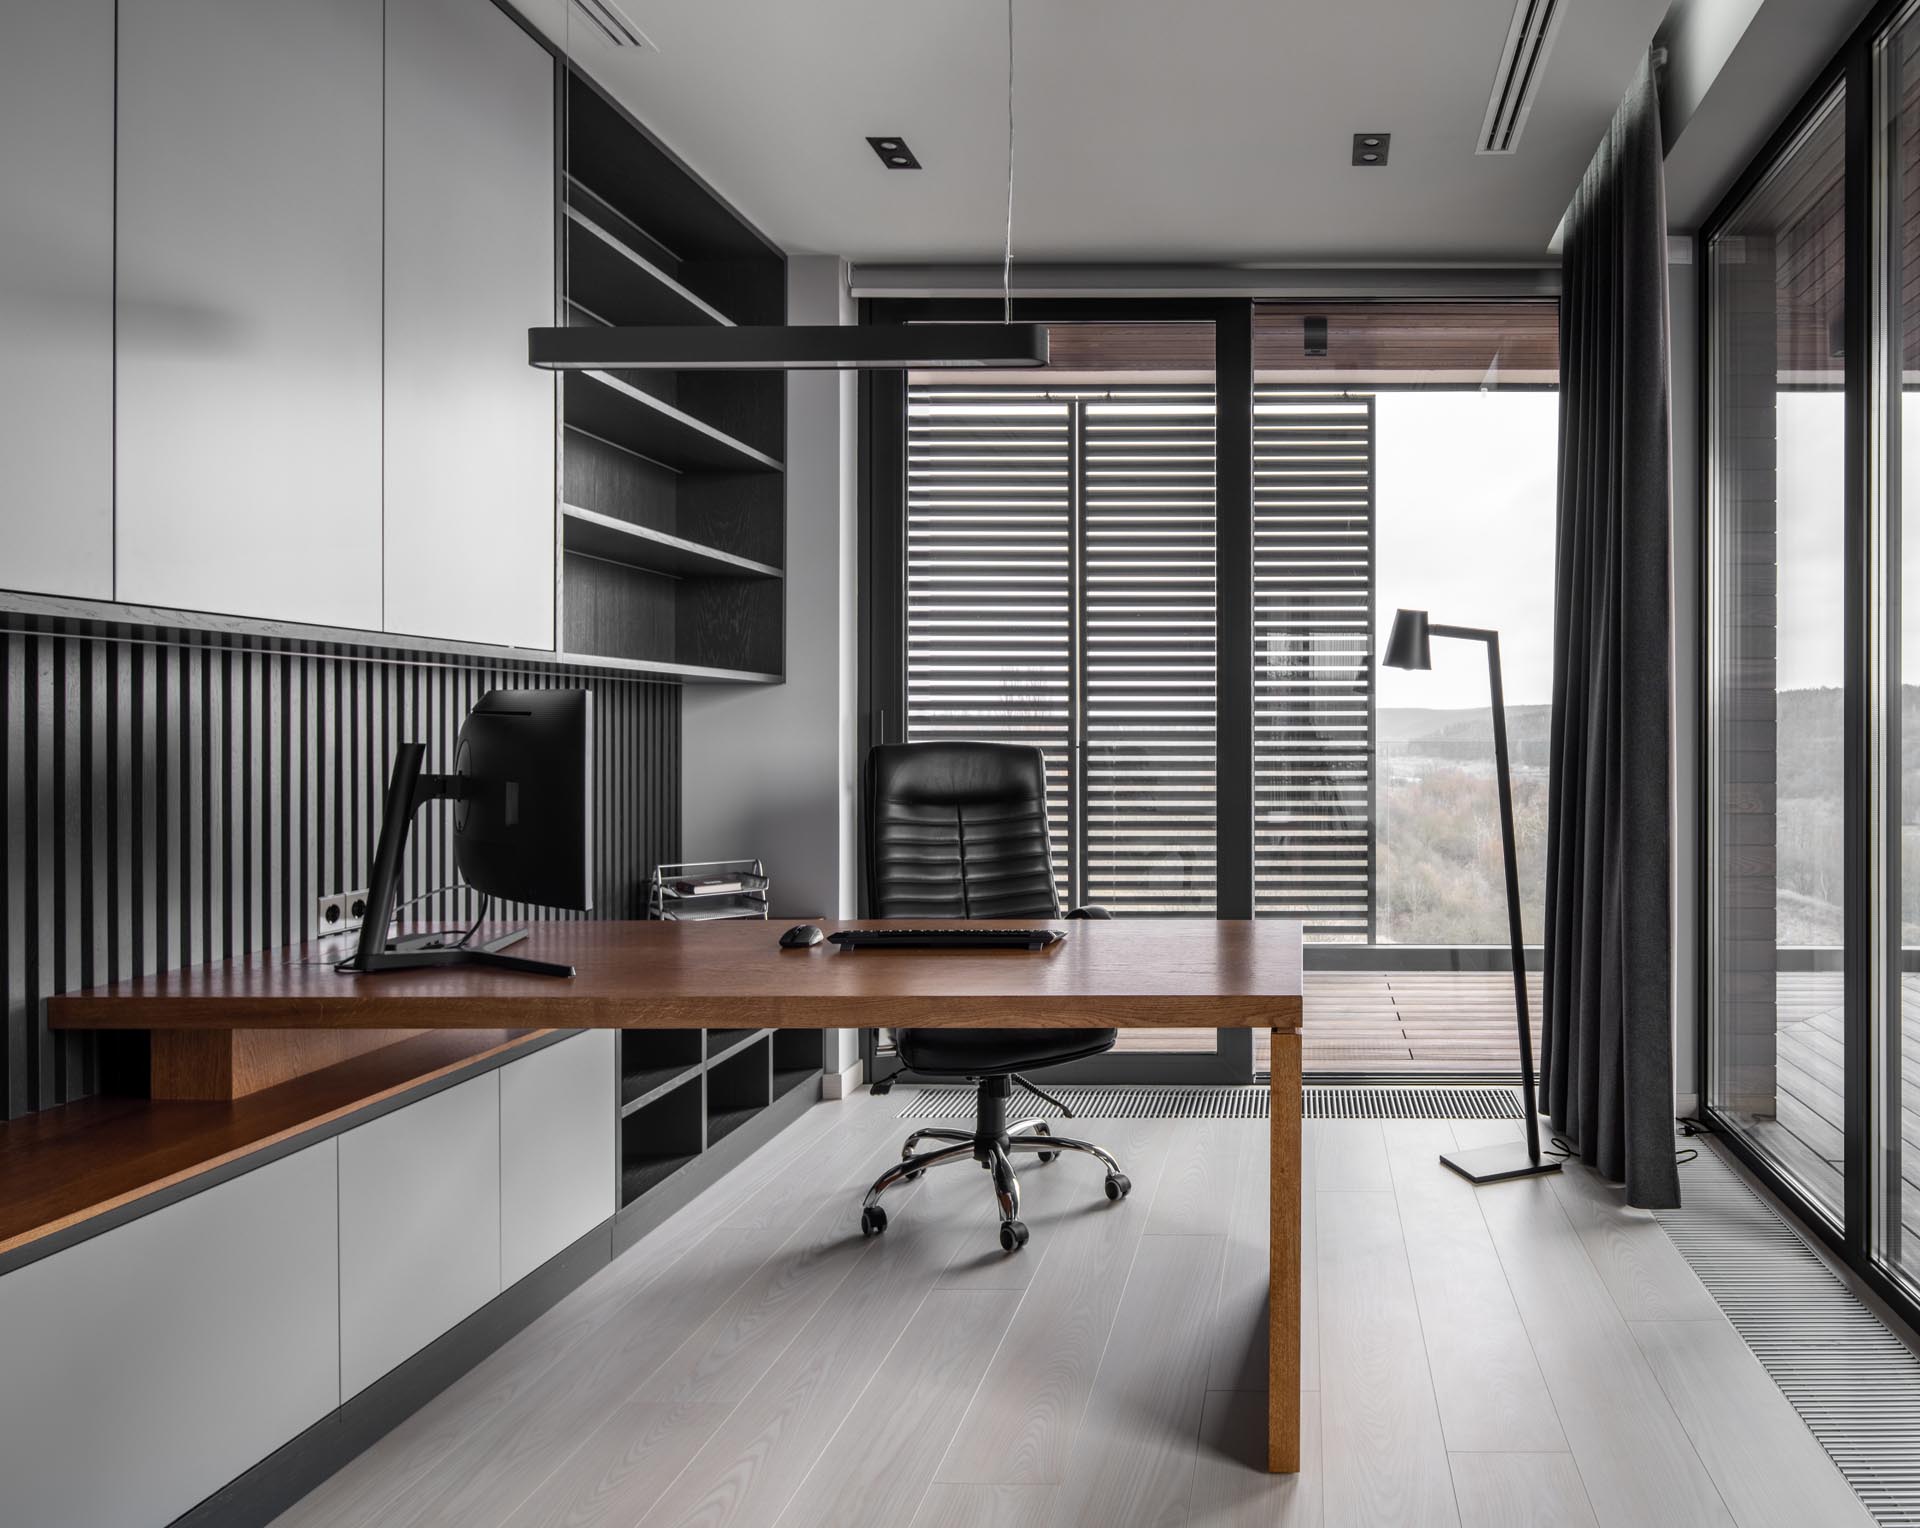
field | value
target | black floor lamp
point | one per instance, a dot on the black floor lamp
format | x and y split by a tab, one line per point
1407	648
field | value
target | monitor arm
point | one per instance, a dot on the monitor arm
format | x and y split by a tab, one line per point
409	788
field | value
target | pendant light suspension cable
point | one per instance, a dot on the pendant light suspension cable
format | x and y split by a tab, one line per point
1006	261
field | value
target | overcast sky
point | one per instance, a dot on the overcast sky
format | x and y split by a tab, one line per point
1465	531
1809	538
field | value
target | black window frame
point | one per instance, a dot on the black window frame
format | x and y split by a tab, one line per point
1851	1238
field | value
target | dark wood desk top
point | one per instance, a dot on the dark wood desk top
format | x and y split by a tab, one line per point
1169	973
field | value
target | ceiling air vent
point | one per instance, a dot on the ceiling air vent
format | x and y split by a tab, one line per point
615	30
1523	61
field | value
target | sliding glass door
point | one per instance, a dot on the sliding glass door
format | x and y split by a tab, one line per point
1811	1047
1389	439
1894	1075
1778	599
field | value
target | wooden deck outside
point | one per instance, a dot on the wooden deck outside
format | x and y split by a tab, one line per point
1412	1023
1421	1024
1807	1135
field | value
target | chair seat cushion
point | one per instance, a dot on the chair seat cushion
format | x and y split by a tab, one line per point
986	1052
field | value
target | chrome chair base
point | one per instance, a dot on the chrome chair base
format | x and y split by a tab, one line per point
992	1143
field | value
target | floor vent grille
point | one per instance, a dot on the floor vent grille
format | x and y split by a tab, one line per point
1853	1382
1136	1102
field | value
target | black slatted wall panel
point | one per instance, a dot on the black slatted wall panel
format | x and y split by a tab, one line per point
172	804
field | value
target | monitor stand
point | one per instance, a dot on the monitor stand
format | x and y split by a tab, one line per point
408	789
419	952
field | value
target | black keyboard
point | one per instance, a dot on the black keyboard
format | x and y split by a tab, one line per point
946	938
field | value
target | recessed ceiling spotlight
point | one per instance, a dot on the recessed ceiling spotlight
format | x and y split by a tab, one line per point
894	153
1371	148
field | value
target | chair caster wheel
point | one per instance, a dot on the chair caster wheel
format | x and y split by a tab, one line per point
873	1221
1045	1156
1119	1185
1013	1235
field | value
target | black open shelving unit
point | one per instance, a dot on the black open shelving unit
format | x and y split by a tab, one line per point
684	1092
673	485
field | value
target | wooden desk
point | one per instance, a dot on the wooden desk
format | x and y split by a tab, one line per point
1137	973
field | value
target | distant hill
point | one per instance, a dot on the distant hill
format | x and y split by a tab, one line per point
1473	724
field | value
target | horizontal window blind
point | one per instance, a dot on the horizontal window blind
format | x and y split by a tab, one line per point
1313	657
1147	650
1061	592
990	580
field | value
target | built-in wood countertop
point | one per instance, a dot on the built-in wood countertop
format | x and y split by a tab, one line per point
1141	973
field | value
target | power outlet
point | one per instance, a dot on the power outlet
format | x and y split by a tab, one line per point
340	912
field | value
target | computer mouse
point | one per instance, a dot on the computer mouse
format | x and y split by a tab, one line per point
800	936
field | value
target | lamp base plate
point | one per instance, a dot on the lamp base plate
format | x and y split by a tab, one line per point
1496	1164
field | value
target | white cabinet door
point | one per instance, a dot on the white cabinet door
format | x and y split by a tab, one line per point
56	299
145	1368
470	484
557	1165
248	308
419	1226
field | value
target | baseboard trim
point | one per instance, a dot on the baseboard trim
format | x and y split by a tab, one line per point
840	1084
297	1466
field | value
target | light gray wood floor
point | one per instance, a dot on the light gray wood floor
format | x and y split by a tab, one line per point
1527	1353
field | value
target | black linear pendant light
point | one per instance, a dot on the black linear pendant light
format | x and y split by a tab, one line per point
808	347
788	347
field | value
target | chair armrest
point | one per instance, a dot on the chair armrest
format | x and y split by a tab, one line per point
1090	912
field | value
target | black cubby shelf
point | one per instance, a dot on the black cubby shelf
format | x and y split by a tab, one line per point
638	421
661	1136
593	534
653	1061
684	1092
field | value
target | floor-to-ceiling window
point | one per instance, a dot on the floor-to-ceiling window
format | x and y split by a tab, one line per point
1776	429
1049	547
1404	456
1812	648
1894	1155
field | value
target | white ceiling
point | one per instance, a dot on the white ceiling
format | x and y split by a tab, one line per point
1147	130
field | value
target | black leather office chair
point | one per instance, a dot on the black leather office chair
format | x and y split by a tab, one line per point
959	830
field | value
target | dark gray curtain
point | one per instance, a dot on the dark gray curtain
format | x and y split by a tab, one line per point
1607	1051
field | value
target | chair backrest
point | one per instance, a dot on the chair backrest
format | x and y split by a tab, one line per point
958	830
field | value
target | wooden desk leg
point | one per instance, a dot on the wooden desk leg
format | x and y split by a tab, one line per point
1283	1292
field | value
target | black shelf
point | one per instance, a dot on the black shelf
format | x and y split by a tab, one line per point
610	539
639	1175
640	1088
627	416
722	1123
722	1043
673	525
617	275
785	1082
686	673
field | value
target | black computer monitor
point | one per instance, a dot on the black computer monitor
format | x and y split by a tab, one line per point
522	798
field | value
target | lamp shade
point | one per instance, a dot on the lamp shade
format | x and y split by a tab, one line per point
1407	643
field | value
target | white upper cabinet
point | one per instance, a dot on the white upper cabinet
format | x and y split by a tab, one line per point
56	299
248	311
470	228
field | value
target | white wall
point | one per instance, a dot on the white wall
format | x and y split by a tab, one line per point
771	770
